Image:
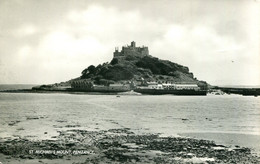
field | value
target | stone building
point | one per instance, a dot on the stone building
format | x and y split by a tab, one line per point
131	50
82	84
181	86
87	85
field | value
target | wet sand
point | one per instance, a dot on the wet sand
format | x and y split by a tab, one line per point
230	139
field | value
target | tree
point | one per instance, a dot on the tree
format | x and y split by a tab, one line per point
88	71
91	69
114	61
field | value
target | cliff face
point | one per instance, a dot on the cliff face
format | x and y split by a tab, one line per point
134	67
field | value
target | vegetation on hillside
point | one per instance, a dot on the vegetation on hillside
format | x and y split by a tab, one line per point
132	67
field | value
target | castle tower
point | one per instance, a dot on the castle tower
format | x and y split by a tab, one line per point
131	50
116	53
133	44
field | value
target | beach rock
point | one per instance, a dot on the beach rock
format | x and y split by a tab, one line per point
123	146
12	123
32	118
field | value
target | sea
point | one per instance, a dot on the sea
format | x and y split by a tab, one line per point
225	119
4	87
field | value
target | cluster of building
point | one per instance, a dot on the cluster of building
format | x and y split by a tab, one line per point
170	86
130	50
88	85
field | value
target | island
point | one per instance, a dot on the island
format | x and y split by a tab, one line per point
133	68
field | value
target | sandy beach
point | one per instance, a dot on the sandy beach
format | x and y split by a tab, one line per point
66	128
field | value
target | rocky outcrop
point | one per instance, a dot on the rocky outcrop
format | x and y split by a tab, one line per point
134	68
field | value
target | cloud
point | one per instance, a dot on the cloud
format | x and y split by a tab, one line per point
25	30
60	46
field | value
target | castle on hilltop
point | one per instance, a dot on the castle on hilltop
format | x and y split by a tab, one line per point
131	50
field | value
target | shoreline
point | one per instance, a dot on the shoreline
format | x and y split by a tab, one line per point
228	139
59	91
120	146
243	92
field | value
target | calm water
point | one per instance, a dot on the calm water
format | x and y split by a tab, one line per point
4	87
31	114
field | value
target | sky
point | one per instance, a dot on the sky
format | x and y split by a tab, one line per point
44	42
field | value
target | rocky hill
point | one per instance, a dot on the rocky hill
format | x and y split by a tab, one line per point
133	64
134	67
